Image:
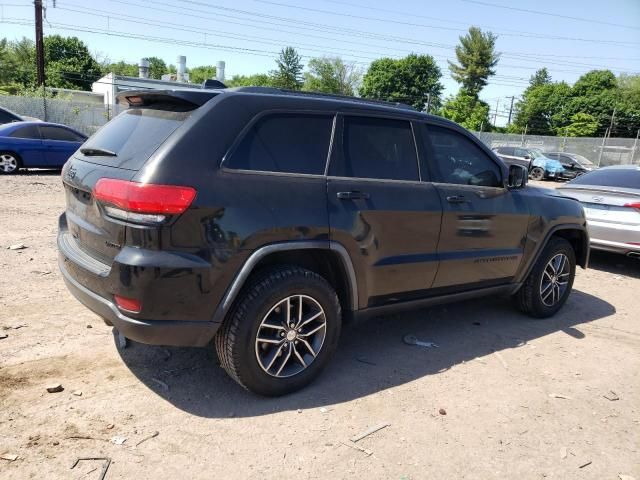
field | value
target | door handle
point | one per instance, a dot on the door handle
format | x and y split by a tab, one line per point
354	195
457	199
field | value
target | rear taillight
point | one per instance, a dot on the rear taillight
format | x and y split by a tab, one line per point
142	202
635	205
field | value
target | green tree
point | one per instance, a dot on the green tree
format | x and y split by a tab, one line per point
256	80
122	68
541	77
543	109
157	67
202	73
68	63
332	75
582	125
289	72
467	110
476	60
414	79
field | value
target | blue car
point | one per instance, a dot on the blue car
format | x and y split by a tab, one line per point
543	167
36	145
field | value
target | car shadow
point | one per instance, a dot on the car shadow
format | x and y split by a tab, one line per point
40	172
371	357
614	263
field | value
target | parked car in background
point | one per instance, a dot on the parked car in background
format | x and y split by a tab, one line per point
543	168
539	165
574	164
36	145
515	156
302	209
611	200
7	116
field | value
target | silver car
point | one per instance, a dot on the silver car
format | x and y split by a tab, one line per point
611	200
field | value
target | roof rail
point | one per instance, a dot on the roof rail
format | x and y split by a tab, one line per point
298	93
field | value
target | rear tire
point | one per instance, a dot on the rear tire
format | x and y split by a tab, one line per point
268	354
10	163
537	173
550	282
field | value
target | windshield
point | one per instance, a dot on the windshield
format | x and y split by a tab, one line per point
536	153
132	137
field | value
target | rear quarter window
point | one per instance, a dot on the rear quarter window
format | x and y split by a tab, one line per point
285	143
134	135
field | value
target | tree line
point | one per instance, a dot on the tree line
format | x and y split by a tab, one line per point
597	103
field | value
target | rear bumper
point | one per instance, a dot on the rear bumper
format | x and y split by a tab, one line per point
614	237
159	332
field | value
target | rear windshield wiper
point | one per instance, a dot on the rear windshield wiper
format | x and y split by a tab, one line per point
97	152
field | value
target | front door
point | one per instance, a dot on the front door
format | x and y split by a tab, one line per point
484	225
380	211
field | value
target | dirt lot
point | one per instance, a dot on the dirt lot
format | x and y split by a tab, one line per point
523	398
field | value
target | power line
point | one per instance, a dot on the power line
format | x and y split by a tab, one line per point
557	15
412	24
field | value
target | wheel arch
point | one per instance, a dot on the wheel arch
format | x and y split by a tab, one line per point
576	235
328	259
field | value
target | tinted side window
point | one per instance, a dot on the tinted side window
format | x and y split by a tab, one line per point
26	132
521	152
376	148
460	161
506	150
291	143
57	133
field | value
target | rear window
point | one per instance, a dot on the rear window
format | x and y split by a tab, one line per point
289	143
613	177
134	135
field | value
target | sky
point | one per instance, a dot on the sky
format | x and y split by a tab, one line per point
569	37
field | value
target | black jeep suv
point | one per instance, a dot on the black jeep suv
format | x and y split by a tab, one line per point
259	219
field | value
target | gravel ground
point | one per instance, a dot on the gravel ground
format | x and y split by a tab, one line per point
504	396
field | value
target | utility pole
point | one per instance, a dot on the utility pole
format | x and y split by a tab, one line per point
510	110
613	117
604	141
495	115
39	44
635	146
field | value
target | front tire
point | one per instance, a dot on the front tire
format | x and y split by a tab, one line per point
282	331
9	163
550	282
537	173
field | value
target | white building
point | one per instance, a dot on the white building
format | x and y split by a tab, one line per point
111	84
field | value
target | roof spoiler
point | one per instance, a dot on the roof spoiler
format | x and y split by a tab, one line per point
188	98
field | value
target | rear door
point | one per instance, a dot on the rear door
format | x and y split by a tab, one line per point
381	211
58	144
484	225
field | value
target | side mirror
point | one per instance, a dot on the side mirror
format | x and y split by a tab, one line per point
527	157
518	176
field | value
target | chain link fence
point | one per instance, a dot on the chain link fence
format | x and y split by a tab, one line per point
601	151
89	117
83	116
